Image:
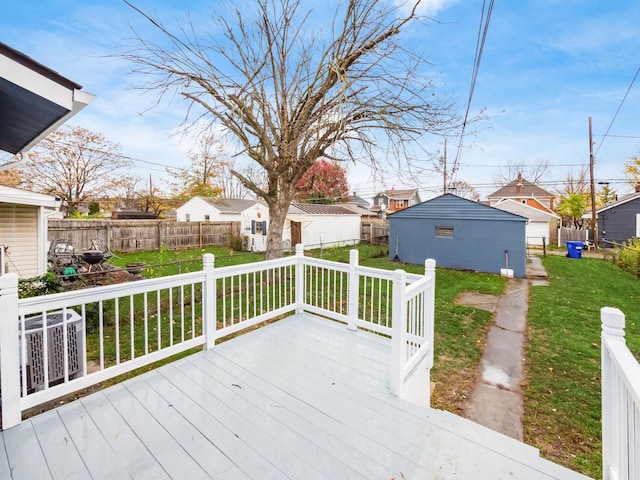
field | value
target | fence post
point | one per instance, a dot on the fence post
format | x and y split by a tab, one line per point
353	291
398	331
209	300
300	278
10	351
613	323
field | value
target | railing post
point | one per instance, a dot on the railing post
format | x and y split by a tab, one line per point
613	323
353	291
209	300
398	329
429	309
10	351
300	278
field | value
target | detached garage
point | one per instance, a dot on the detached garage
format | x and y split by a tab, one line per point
459	234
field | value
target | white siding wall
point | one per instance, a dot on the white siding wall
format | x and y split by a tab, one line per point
197	208
19	231
328	230
257	242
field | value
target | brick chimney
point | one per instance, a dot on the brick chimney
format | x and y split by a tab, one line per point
519	184
637	187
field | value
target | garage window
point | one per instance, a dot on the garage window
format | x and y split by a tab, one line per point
444	232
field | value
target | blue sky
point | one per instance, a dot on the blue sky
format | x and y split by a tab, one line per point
547	66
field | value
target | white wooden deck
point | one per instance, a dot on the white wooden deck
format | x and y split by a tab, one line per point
301	398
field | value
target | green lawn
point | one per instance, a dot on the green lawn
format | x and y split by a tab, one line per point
562	390
171	262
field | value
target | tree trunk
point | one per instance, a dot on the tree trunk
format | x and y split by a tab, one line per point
278	209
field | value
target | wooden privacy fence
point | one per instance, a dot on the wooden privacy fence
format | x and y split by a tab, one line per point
139	235
572	235
374	231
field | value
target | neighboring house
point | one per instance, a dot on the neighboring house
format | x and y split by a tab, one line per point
460	234
620	220
359	201
23	231
542	223
320	225
525	192
393	200
253	216
34	101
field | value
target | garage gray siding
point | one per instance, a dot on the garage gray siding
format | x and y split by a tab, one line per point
619	222
481	236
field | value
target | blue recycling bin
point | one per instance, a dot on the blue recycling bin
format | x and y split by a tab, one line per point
574	249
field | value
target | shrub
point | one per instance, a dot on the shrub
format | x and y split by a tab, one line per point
629	255
41	285
94	208
238	242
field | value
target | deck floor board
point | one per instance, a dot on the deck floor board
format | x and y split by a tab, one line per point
301	398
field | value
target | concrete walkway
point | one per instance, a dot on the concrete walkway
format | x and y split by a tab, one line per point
496	401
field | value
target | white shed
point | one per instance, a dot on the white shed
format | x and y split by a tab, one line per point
541	222
23	231
321	225
252	215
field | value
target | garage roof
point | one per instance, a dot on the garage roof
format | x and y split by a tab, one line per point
34	100
449	206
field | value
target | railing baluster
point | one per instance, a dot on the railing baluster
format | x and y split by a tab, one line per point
182	313
117	320
170	292
146	323
101	333
158	320
132	332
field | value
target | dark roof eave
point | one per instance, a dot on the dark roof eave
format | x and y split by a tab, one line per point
37	67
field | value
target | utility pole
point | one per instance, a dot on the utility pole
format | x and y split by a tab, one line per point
593	187
444	167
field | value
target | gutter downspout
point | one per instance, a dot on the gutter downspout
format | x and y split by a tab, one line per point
23	157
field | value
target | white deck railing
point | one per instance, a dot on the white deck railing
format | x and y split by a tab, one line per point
130	325
620	401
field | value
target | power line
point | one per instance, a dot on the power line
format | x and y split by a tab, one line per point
480	41
617	111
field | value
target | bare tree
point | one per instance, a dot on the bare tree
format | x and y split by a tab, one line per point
75	164
125	191
576	183
206	164
464	190
533	172
11	178
289	91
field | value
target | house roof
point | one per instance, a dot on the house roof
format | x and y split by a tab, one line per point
26	197
394	194
450	206
319	209
229	205
360	210
532	213
620	201
356	200
35	100
520	188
